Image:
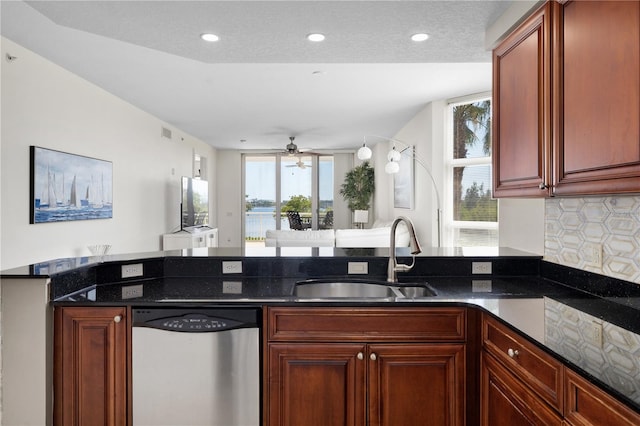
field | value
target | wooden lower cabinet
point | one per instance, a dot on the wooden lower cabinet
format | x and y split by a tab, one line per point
349	379
505	401
587	405
419	384
91	366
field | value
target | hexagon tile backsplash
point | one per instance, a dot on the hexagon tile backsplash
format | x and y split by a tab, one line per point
597	234
614	358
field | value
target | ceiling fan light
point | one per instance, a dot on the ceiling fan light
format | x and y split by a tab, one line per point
364	153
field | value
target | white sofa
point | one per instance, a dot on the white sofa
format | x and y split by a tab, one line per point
308	238
377	236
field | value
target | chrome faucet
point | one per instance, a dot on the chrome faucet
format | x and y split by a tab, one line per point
394	267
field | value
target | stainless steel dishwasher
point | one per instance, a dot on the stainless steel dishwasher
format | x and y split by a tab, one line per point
196	366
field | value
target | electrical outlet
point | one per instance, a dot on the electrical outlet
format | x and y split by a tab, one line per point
133	270
480	267
232	267
481	286
593	334
232	287
592	255
131	291
358	268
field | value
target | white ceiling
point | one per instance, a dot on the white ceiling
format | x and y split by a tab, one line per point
263	81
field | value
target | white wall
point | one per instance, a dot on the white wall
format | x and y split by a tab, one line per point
47	106
426	133
521	224
229	204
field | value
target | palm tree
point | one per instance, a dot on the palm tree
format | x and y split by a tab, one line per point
467	120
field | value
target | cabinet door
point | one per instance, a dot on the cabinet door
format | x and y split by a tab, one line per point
418	384
505	401
521	110
90	366
597	97
316	384
588	405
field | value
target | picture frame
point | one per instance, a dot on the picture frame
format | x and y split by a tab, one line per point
67	187
403	181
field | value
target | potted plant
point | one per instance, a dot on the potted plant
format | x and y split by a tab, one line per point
357	189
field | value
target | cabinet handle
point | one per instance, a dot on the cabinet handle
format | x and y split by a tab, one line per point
373	357
360	356
117	318
513	353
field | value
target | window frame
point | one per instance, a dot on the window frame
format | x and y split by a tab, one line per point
450	225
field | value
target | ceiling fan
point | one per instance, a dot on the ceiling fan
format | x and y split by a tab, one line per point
300	164
292	150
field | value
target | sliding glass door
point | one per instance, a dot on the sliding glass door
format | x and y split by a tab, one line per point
277	184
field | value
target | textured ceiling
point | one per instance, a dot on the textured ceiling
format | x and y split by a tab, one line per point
263	81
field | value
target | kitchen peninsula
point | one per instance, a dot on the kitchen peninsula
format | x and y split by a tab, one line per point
560	343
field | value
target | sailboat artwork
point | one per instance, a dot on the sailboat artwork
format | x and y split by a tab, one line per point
67	187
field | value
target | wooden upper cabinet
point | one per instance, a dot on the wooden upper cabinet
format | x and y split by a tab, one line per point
566	101
521	109
596	97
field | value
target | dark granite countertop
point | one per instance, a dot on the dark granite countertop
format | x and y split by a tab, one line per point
553	306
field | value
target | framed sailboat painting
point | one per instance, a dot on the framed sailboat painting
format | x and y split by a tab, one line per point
68	187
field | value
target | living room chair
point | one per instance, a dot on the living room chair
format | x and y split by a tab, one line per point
296	223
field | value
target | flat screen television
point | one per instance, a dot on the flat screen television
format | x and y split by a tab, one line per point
194	210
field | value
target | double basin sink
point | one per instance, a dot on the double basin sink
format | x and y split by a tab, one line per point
360	291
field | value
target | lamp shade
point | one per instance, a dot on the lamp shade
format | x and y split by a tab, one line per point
364	153
392	167
394	155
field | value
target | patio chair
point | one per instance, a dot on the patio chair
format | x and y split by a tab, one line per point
296	223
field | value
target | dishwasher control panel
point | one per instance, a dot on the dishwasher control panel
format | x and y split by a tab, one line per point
193	321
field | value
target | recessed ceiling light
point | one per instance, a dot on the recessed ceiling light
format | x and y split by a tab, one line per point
420	37
209	37
315	37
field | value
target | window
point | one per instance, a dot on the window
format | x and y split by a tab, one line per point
472	212
277	183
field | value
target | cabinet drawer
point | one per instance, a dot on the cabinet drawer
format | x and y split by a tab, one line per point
586	404
370	324
537	369
506	401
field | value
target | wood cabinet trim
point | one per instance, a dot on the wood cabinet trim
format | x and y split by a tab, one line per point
436	324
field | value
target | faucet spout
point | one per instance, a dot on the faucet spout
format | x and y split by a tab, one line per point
394	267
